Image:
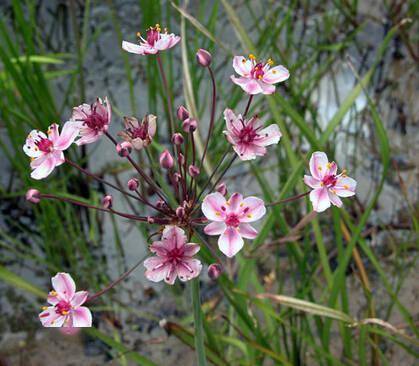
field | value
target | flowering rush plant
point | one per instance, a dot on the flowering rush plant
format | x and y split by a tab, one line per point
194	206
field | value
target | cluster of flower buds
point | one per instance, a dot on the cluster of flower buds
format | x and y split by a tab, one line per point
174	256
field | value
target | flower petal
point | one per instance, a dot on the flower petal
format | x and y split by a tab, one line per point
230	242
312	182
156	268
269	136
345	187
318	165
166	41
64	285
266	88
50	318
253	209
215	228
132	48
190	249
242	66
45	168
79	298
234	202
248	151
276	75
320	199
188	269
81	317
335	199
67	137
173	237
248	231
250	86
212	206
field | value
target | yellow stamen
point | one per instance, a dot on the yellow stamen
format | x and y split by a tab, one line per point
260	77
53	293
32	159
241	204
252	56
64	312
44	307
244	60
346	186
329	165
320	168
217	214
249	216
138	34
270	62
273	71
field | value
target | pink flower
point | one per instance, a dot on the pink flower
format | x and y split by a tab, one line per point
327	186
248	137
92	120
174	258
46	151
230	219
66	310
257	77
154	42
139	134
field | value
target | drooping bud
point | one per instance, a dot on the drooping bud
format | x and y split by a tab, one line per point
177	177
177	138
189	125
160	204
107	201
133	184
33	196
124	149
193	171
203	57
182	113
166	160
222	188
180	212
214	271
181	159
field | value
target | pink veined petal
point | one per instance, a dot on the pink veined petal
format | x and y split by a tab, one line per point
132	48
312	182
166	41
159	248
170	275
175	237
39	161
335	199
250	86
87	136
318	165
156	269
242	66
67	137
332	168
215	228
81	112
81	317
212	206
345	187
53	133
152	126
249	151
276	75
231	120
253	209
45	168
190	249
230	242
269	136
64	285
247	231
255	122
59	157
266	88
154	262
319	197
234	202
79	298
108	110
53	300
30	147
188	269
50	318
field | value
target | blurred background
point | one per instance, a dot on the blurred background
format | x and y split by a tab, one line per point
353	92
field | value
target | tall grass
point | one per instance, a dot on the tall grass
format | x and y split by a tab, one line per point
265	314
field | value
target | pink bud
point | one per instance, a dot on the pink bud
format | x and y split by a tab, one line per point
181	159
177	177
189	125
124	149
203	57
182	113
33	195
180	212
177	139
214	271
222	188
150	220
193	171
133	184
107	201
166	160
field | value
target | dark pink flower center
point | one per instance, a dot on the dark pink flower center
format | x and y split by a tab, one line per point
44	145
63	307
232	220
330	180
95	121
175	255
153	36
257	71
139	132
247	134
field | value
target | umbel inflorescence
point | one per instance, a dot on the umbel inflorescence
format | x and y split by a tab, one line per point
229	217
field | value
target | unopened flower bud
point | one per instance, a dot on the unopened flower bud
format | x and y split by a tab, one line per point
214	271
180	212
107	201
33	195
133	184
124	149
203	57
150	220
177	177
222	188
189	125
193	171
181	158
160	204
177	139
182	113
166	160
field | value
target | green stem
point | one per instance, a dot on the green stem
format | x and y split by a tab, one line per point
198	319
